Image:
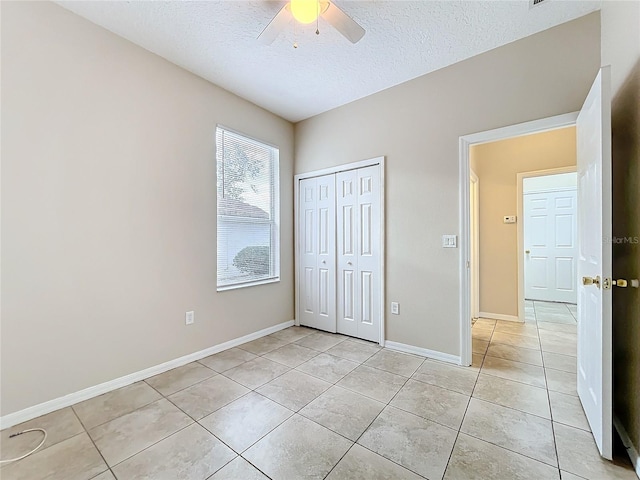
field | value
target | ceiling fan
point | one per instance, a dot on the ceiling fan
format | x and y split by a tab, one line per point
308	11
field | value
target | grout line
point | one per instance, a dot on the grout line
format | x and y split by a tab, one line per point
509	450
512	380
388	404
121	415
94	445
155	443
511	408
211	476
466	410
197	420
239	454
110	467
553	432
254	466
446	388
182	389
339	460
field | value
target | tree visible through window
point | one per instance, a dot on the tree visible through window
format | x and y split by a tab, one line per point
248	217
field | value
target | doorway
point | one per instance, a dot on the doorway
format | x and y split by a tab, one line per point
594	267
466	142
497	220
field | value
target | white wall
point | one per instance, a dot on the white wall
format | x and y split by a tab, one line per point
417	126
109	208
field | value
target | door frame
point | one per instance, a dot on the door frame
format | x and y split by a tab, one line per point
520	225
465	142
474	258
296	192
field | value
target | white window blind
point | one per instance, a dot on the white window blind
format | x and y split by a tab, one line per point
248	216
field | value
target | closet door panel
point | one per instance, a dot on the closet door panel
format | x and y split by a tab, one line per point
347	234
326	256
368	253
308	252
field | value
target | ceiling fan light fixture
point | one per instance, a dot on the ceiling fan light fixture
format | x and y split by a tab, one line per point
308	11
305	11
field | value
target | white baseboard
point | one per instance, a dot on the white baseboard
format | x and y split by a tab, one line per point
499	316
628	444
423	352
57	403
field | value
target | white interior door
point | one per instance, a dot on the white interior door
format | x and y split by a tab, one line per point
358	223
593	132
316	225
550	230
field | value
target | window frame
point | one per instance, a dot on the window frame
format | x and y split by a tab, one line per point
274	221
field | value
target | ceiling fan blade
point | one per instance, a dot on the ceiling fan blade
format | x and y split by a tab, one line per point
276	25
343	23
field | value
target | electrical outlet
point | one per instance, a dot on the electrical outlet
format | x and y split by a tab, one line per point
509	219
395	308
190	318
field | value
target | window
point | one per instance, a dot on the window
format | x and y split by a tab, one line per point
248	211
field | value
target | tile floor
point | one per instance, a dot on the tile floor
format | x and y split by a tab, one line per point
302	404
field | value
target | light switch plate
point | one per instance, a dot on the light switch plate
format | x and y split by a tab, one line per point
395	308
449	241
509	219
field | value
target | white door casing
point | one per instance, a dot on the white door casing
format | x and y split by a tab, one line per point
358	233
316	232
474	237
593	134
550	243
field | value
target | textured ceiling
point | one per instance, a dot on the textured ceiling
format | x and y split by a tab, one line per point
405	39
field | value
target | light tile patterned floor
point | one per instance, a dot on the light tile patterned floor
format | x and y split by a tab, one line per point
303	404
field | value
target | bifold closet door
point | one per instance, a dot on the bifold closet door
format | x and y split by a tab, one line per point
316	234
358	252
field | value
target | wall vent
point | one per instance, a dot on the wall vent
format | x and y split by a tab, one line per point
535	3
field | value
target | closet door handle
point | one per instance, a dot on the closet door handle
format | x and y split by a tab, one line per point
324	261
349	263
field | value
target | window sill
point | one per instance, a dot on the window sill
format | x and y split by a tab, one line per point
248	284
